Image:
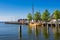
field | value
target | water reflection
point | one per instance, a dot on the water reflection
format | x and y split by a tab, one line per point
56	33
29	30
29	33
45	32
35	33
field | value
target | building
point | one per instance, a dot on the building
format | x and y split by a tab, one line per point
53	20
22	21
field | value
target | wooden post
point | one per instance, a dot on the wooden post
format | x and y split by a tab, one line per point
47	28
58	25
47	25
20	32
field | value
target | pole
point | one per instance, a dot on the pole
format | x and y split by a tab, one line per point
20	32
32	11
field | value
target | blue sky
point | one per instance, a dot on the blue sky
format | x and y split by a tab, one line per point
14	9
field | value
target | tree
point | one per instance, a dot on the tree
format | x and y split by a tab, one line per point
56	15
45	16
37	16
29	16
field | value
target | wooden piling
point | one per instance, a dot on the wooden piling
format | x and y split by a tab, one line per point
20	32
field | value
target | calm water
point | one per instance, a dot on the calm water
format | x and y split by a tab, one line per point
15	32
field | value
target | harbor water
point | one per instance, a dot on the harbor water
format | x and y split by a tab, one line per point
25	32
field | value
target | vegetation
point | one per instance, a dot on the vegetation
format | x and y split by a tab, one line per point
45	16
37	16
56	14
29	16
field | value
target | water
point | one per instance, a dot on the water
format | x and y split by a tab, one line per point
15	32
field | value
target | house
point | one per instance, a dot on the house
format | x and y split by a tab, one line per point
53	20
22	20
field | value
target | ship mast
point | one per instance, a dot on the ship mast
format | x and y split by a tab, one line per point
32	12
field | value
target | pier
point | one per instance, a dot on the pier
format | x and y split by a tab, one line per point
40	24
25	23
51	24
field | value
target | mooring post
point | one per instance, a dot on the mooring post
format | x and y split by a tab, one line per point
58	24
47	25
20	32
47	28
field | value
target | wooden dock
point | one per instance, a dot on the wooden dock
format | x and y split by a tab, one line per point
16	23
27	23
51	24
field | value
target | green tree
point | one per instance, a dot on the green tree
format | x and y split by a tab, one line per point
56	15
29	16
37	16
45	16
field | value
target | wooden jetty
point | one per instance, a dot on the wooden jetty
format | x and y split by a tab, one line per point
26	23
51	24
35	23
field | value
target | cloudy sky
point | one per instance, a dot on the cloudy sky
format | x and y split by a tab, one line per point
13	10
